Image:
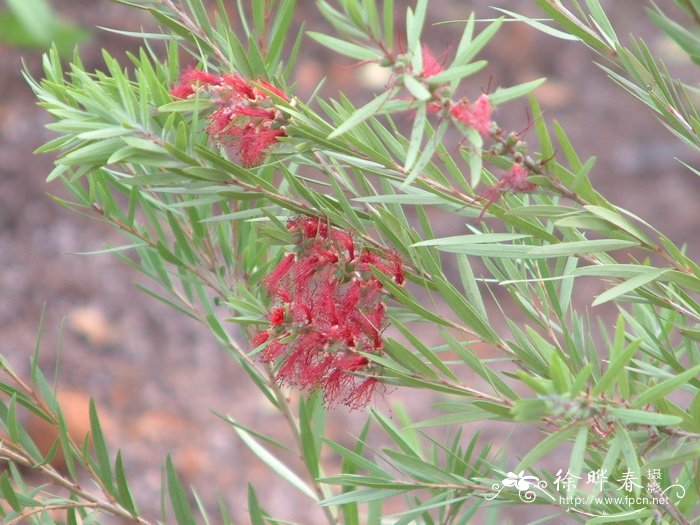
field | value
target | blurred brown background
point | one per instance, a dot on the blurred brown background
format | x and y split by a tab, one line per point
157	375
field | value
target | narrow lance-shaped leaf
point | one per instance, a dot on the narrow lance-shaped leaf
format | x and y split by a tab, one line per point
178	497
361	114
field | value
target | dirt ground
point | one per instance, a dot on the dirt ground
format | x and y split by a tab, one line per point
156	376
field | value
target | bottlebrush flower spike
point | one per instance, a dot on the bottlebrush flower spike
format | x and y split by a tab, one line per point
431	66
246	121
192	80
515	180
476	115
326	309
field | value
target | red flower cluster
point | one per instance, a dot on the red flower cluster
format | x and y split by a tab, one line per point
515	180
327	309
431	65
246	118
476	115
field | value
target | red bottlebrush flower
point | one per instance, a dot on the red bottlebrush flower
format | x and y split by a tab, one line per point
327	305
315	373
273	351
328	302
277	316
431	66
288	372
245	121
247	111
397	269
253	145
308	227
191	80
368	259
301	312
362	394
260	338
220	121
371	330
352	362
515	180
476	115
351	298
325	256
346	240
272	89
183	91
433	108
342	379
305	270
272	280
197	76
372	290
240	87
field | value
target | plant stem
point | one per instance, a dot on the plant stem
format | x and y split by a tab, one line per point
17	456
283	403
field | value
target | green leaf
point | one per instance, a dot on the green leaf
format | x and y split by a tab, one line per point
629	455
275	464
362	496
615	368
531	409
686	39
308	444
559	373
402	356
8	493
423	350
544	447
125	499
664	388
408	301
642	417
582	247
546	146
104	468
417	131
602	22
418	90
619	221
483	238
417	199
467	414
399	438
357	461
571	24
629	286
345	48
622	271
690	333
456	73
254	510
361	114
578	457
421	469
97	153
469	48
676	455
502	95
178	497
189	105
36	17
536	24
